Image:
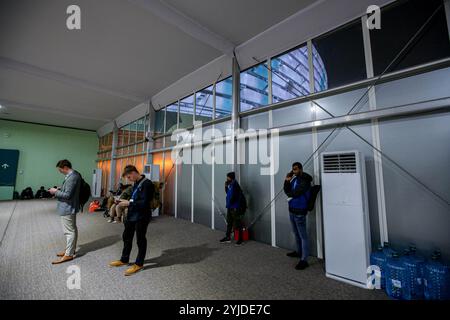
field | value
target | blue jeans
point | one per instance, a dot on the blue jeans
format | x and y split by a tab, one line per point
299	227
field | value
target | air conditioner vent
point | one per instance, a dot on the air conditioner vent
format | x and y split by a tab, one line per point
339	163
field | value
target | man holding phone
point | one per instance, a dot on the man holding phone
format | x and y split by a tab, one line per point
138	218
68	206
297	187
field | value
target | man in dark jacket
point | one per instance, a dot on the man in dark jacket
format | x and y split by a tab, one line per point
138	218
233	204
297	187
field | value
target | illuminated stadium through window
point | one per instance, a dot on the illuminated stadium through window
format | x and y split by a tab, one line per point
290	79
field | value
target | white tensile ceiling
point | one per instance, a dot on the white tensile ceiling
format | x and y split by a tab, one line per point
126	52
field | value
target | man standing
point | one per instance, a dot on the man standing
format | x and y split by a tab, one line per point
68	205
233	204
138	218
297	187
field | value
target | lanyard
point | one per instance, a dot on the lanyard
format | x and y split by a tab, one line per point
137	188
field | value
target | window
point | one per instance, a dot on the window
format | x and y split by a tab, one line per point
105	146
159	122
254	87
290	74
171	117
339	57
132	129
204	104
186	119
224	101
399	23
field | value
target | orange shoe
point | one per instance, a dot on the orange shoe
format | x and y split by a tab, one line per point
117	263
63	253
63	259
133	269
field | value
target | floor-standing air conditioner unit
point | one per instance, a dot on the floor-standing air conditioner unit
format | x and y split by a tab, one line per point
97	183
345	217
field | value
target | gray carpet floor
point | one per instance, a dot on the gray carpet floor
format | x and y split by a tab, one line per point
184	261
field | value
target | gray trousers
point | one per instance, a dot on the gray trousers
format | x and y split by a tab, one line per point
69	223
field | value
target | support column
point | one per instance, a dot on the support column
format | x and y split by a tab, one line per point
272	159
235	115
213	160
112	168
378	161
316	162
150	131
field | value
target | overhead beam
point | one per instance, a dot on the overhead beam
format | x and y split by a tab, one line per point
186	24
33	107
67	79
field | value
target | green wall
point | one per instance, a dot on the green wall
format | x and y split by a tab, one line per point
40	149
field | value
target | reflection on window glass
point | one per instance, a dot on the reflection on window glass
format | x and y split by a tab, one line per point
290	74
224	102
187	112
204	104
159	122
254	87
342	56
400	22
171	117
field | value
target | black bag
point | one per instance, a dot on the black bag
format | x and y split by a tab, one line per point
85	193
242	203
314	191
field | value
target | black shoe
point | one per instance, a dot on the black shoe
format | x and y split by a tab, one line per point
302	265
293	254
239	242
225	240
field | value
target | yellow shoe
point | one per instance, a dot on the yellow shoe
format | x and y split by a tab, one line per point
133	269
117	263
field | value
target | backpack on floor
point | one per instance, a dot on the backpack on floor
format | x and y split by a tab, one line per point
314	191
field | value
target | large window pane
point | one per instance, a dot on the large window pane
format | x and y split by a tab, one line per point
187	112
204	104
254	87
133	128
399	23
171	117
159	122
342	56
141	127
290	75
224	94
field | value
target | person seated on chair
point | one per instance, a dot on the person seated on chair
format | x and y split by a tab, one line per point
117	210
110	199
42	193
27	194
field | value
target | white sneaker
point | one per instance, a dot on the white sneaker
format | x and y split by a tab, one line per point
115	221
110	221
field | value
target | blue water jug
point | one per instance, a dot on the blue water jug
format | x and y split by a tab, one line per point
388	251
436	279
378	258
395	277
414	268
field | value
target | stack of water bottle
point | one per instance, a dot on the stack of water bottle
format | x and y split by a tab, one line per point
409	276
